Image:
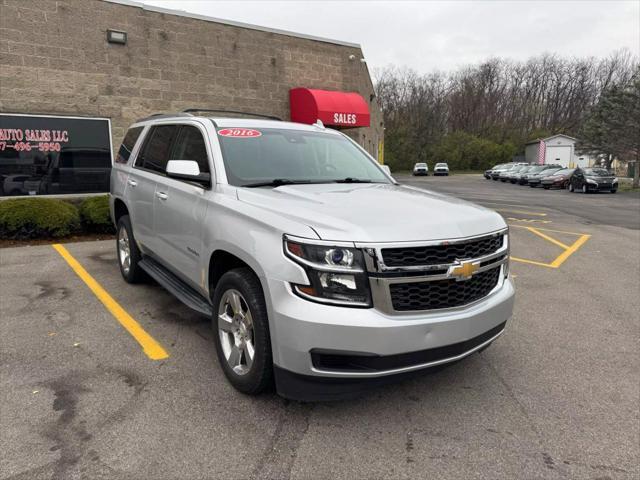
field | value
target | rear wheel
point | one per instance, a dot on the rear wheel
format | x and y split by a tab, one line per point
129	255
546	187
241	329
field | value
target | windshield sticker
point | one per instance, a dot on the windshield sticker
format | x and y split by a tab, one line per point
239	132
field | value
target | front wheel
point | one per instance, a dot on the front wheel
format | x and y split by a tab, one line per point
585	189
241	331
614	190
571	189
546	187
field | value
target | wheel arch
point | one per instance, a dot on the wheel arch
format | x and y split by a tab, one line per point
222	260
119	210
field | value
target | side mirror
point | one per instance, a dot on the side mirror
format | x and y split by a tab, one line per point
187	170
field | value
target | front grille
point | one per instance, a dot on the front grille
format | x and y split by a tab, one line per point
441	254
442	293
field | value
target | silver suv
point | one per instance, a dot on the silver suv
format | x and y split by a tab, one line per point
320	273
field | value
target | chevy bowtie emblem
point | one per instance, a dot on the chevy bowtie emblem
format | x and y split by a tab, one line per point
463	271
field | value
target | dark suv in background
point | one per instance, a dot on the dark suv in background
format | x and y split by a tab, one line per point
593	180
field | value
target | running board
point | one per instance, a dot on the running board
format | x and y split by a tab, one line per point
176	286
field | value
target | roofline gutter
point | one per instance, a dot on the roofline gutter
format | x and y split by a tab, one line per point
233	23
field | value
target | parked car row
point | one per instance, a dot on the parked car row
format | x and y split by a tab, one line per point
423	169
592	179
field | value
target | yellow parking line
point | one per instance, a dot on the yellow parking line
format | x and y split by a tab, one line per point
149	345
577	234
548	238
532	262
570	251
522	212
528	220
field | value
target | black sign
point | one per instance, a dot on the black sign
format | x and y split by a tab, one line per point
45	155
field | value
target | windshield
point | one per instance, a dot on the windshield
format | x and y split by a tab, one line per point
421	164
597	172
549	171
564	171
441	164
284	156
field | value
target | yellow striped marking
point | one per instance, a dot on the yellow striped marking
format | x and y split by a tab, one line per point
522	212
531	262
568	249
149	345
547	237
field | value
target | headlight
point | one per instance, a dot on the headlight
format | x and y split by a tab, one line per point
336	273
592	182
615	180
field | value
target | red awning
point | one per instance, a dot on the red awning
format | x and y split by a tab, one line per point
343	109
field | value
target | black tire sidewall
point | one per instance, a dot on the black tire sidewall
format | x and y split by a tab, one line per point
260	376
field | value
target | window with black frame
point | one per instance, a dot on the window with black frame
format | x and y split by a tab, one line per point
47	155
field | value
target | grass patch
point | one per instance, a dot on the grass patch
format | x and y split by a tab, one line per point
627	187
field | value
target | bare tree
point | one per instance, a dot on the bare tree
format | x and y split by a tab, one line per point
500	101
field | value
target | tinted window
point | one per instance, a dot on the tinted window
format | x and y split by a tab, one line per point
155	151
42	155
129	141
190	146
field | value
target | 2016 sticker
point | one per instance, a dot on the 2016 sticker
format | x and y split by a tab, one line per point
239	132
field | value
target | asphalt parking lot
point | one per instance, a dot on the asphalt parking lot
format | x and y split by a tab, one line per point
555	397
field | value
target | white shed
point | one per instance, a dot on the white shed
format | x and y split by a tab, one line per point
559	149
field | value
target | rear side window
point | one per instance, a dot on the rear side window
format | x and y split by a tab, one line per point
157	146
129	141
190	146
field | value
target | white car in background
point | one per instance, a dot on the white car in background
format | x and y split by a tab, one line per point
421	169
441	169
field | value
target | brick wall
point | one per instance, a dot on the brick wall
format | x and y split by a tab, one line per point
54	59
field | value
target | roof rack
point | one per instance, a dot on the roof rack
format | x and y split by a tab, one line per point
235	112
156	116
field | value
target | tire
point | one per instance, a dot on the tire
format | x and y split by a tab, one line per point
585	189
614	190
239	297
128	253
546	187
570	187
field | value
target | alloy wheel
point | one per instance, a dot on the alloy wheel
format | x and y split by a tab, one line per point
235	328
124	250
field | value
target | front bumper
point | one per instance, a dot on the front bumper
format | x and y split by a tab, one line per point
300	327
602	187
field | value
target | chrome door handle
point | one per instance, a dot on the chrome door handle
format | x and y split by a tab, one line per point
133	183
162	195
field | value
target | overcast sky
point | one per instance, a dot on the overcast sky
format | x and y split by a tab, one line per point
442	35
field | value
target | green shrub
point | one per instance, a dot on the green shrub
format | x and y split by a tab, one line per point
94	213
25	218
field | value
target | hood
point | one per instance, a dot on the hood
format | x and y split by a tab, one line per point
375	212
